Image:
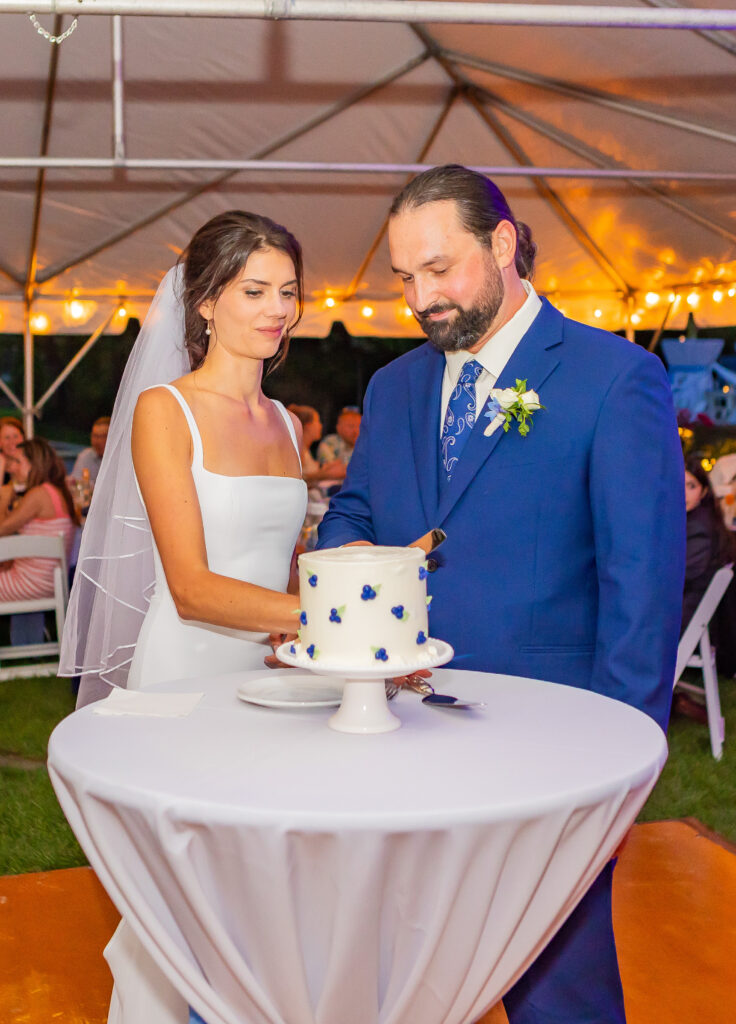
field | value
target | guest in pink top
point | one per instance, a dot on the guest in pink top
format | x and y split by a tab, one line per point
45	508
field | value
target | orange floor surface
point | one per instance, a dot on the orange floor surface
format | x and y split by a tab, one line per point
674	915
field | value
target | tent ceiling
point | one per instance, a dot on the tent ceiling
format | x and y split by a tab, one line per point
488	95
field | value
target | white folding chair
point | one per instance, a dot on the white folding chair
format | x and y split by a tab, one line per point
30	546
697	638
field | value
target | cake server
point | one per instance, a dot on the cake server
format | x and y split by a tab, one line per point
439	700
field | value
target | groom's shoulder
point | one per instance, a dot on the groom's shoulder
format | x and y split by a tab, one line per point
593	346
410	362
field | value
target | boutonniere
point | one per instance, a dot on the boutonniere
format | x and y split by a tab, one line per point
512	403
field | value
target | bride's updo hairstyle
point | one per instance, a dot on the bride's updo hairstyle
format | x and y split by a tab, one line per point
215	256
481	206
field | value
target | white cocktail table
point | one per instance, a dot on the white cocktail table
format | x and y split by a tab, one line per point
283	873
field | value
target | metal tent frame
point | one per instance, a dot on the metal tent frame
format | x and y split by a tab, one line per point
714	25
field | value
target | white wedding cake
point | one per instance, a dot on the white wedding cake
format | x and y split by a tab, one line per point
364	606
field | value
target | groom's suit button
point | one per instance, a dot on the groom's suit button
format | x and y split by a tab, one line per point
432	564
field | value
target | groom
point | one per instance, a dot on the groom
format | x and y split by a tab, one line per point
564	556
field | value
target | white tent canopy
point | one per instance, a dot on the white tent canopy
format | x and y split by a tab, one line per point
616	144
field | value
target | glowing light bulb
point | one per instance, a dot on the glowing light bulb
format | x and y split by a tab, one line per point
635	318
726	389
329	302
597	313
693	299
651	298
76	309
718	295
39	323
122	311
367	311
672	297
731	292
407	312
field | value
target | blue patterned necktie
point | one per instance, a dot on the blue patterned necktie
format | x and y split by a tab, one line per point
459	418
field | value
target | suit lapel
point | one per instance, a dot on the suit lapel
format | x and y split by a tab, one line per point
533	360
425	395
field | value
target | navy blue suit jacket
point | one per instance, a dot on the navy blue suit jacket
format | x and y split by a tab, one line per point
564	557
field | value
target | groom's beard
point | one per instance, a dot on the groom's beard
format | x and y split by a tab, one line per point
469	325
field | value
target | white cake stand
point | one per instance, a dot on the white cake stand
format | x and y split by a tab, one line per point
364	708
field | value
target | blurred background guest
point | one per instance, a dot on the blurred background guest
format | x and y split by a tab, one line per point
723	482
11	435
312	472
340	445
46	508
709	545
90	459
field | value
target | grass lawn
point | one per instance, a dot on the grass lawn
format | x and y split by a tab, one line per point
35	837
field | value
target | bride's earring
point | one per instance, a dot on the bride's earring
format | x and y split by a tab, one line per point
208	330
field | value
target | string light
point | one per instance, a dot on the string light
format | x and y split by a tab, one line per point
717	295
651	298
597	313
367	311
693	299
635	318
122	311
39	323
731	292
329	302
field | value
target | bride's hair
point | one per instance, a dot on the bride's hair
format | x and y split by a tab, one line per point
215	256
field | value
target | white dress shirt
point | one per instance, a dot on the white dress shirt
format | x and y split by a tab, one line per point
493	356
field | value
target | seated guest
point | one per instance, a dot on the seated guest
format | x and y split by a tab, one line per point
11	435
341	444
708	546
91	458
312	471
47	509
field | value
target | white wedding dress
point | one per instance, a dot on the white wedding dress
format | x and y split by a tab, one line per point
251	524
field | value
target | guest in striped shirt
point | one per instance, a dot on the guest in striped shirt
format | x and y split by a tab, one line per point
46	508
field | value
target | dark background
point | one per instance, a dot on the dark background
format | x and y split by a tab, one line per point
326	373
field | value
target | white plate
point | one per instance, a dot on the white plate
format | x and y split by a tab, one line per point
290	689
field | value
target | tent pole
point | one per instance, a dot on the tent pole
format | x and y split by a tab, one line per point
28	423
573	145
717	38
455	11
355	283
231	167
117	89
74	361
587	94
30	284
283	140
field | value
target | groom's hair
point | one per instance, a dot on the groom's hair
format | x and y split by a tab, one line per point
481	206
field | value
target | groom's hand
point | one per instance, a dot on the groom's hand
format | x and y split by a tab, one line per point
276	640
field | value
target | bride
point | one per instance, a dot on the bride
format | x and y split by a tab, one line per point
215	478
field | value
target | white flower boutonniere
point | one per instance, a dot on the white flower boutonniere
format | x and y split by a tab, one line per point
512	403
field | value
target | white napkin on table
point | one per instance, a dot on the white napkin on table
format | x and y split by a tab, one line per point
143	702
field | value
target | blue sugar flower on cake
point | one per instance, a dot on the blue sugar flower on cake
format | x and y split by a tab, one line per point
368	593
380	653
423	572
312	651
337	613
292	649
399	611
421	638
303	618
312	580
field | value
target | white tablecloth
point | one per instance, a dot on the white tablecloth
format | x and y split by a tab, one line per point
283	873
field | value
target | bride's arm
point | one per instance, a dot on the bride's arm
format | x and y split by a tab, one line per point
162	456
